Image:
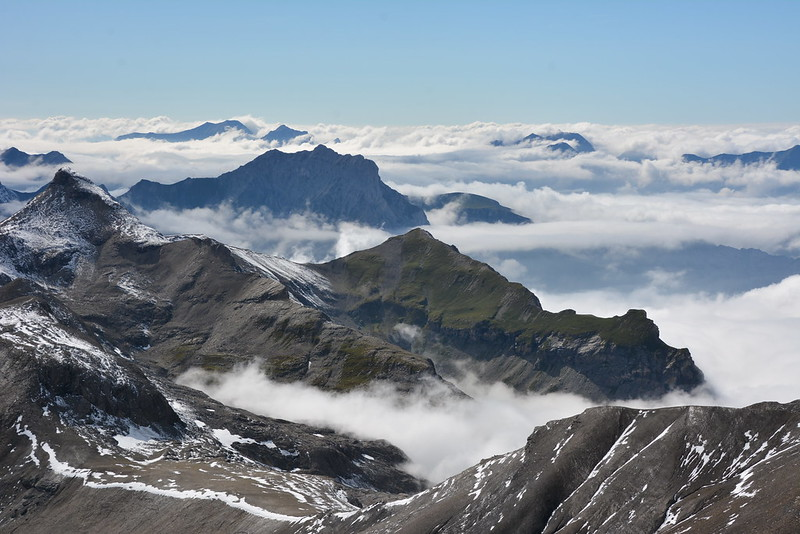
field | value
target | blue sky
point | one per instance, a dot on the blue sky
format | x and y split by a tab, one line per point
404	63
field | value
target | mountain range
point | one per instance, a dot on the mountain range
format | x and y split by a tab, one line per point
333	186
569	143
785	160
99	314
204	131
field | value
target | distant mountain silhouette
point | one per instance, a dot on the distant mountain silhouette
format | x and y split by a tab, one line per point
204	131
337	187
472	208
13	157
785	160
569	142
283	134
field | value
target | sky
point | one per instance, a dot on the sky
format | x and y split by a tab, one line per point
403	63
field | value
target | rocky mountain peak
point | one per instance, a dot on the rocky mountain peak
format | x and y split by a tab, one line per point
47	239
337	187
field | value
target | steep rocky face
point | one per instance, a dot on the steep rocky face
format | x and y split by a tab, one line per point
333	186
617	470
204	131
785	160
425	295
469	208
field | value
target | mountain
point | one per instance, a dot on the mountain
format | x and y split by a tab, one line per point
11	195
283	135
204	131
99	314
616	470
462	311
567	142
470	208
13	157
336	187
785	160
190	301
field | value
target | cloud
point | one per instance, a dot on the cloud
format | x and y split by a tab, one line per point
301	237
440	440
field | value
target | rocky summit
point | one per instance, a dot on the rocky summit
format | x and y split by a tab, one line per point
321	182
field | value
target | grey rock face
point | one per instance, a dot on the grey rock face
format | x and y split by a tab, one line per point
336	187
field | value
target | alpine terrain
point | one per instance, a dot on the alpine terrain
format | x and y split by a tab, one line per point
99	314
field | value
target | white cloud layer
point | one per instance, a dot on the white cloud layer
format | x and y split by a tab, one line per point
440	440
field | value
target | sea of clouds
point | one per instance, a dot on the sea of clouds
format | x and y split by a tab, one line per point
634	192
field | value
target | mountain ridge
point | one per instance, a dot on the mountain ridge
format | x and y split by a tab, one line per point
204	131
785	160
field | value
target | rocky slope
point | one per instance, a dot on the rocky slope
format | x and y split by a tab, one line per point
424	295
94	441
785	160
617	470
333	186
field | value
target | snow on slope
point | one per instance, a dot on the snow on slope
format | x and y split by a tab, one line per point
305	286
